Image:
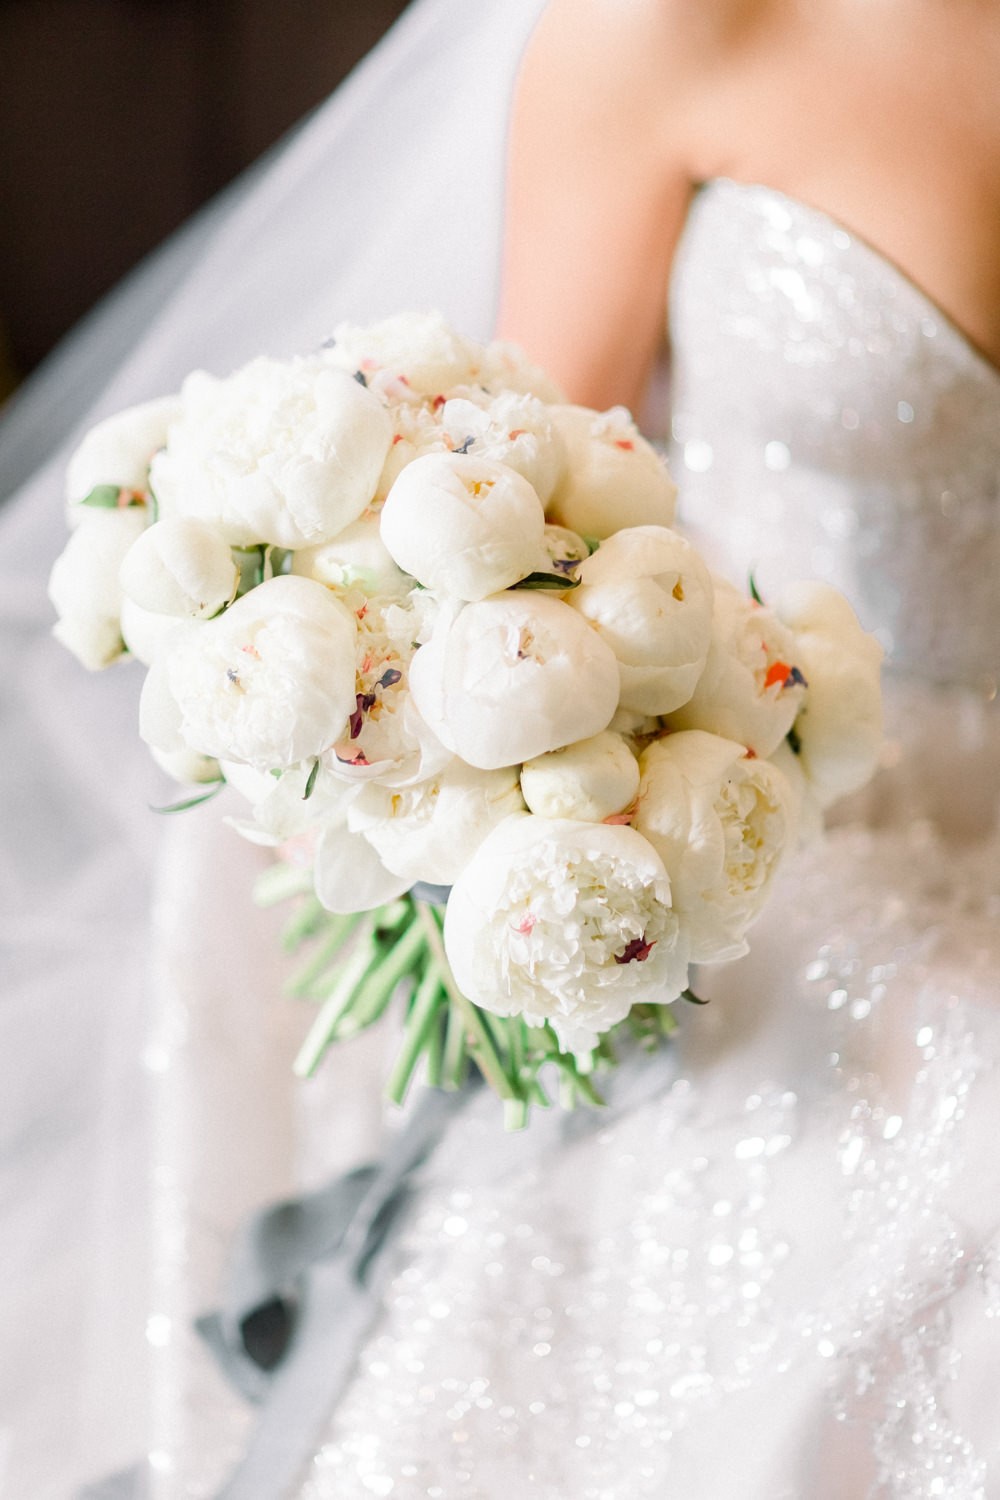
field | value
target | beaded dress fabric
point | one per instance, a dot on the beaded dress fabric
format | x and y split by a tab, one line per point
778	1278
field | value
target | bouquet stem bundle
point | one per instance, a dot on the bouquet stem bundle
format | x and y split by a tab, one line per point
361	964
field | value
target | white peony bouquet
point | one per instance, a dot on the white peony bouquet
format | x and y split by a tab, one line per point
523	759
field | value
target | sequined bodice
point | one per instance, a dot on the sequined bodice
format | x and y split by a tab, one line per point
829	421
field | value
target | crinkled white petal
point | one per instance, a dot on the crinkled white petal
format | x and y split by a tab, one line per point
747	691
565	922
513	676
281	809
506	367
430	831
807	814
349	875
422	348
648	594
512	429
286	453
416	430
146	634
612	476
464	526
357	559
180	566
593	780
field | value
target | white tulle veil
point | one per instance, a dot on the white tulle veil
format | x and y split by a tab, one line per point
388	197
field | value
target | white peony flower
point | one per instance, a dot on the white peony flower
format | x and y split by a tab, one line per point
430	831
385	738
311	831
84	586
565	922
838	731
281	452
270	682
180	567
356	559
751	688
415	431
119	451
513	676
511	429
720	822
506	367
420	348
466	527
595	780
648	594
291	809
612	478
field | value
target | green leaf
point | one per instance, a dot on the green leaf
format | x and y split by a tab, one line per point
692	998
311	780
176	807
553	581
754	592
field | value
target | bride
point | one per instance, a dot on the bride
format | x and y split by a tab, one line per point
776	1275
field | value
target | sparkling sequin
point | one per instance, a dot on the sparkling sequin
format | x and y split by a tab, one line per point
886	415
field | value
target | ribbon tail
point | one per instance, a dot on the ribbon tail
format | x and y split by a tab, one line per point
338	1312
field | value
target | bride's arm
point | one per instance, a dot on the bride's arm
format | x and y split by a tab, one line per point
597	192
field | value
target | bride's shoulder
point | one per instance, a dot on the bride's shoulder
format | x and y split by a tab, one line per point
622	45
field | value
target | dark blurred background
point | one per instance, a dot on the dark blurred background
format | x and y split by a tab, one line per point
119	117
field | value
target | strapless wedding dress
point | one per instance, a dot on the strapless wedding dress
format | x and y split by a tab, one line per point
778	1279
775	1278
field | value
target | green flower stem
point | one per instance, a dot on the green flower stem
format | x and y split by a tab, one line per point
305	923
586	1090
338	929
538	1096
567	1091
340	1001
375	990
515	1114
485	1052
398	914
435	1051
516	1033
424	1014
455	1063
279	882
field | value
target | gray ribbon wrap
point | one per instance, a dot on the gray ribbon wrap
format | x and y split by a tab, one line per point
302	1291
316	1265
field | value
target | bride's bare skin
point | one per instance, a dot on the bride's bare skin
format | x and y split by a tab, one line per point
884	114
